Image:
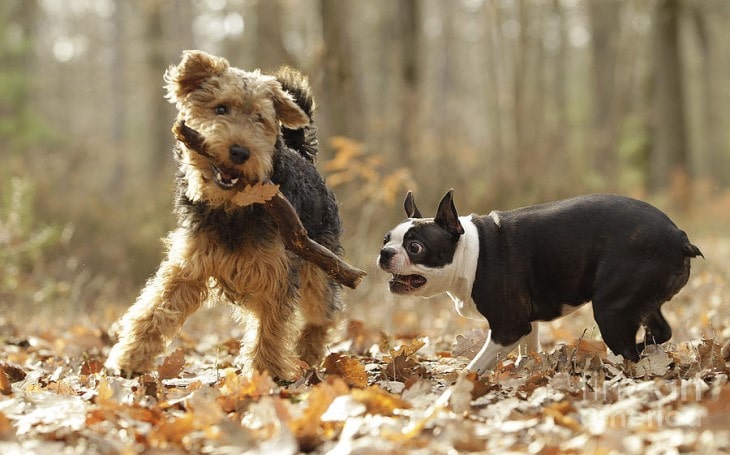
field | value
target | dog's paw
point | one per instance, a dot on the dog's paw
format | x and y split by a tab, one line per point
118	363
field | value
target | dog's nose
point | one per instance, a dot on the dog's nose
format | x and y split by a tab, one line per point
386	254
238	154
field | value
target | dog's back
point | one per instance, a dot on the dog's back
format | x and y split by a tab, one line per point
624	255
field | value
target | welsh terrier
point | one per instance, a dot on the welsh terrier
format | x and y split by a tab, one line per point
254	127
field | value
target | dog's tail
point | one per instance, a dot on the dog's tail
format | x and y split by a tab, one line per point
303	140
688	249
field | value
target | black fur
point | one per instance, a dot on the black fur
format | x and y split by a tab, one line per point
303	140
624	255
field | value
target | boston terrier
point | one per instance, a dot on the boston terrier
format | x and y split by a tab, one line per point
541	262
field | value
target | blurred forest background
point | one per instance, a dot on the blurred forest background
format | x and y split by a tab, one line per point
510	102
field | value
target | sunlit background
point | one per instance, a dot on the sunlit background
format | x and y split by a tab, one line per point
510	102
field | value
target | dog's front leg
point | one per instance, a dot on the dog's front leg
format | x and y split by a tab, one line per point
272	349
489	355
162	307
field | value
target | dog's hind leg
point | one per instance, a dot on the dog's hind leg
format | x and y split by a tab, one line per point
618	329
658	330
321	308
165	303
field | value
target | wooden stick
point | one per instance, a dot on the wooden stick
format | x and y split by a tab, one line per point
295	238
292	231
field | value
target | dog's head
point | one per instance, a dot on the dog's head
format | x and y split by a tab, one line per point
419	252
237	113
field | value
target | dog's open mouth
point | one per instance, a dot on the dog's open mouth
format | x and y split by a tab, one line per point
404	284
225	178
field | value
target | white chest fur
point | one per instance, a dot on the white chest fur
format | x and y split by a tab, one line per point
465	261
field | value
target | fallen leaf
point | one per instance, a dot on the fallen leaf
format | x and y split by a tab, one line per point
559	412
348	368
5	387
309	429
589	348
91	366
378	401
5	426
406	350
469	344
14	372
461	394
257	193
710	355
172	366
342	408
655	362
403	368
171	431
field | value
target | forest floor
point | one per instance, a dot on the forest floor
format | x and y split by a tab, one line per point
379	392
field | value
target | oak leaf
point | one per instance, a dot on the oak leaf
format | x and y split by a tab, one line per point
309	429
348	368
172	365
257	193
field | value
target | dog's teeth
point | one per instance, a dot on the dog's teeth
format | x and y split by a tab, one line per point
234	181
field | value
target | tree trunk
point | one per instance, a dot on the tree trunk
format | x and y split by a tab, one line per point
669	158
713	165
340	94
604	17
269	51
409	18
159	121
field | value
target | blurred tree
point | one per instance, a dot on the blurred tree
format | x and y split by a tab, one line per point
409	24
669	154
118	72
270	52
341	94
714	164
605	26
158	124
18	122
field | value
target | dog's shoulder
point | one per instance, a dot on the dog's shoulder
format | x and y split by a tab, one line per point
304	187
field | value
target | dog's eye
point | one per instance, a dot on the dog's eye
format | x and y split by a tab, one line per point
221	109
386	239
415	247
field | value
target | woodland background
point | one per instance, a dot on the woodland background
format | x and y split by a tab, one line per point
508	102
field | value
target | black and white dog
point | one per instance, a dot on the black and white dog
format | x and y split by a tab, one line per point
541	262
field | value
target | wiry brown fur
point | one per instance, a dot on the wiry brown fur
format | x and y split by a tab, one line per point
296	305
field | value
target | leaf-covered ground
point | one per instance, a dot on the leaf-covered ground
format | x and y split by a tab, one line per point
377	393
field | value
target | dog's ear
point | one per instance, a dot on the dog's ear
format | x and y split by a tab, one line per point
287	110
447	216
193	69
410	205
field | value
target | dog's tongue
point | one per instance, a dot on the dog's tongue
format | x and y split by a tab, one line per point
224	175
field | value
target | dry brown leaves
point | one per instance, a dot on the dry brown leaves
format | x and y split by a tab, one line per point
373	393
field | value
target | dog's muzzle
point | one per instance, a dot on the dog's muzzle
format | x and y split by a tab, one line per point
398	284
386	255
